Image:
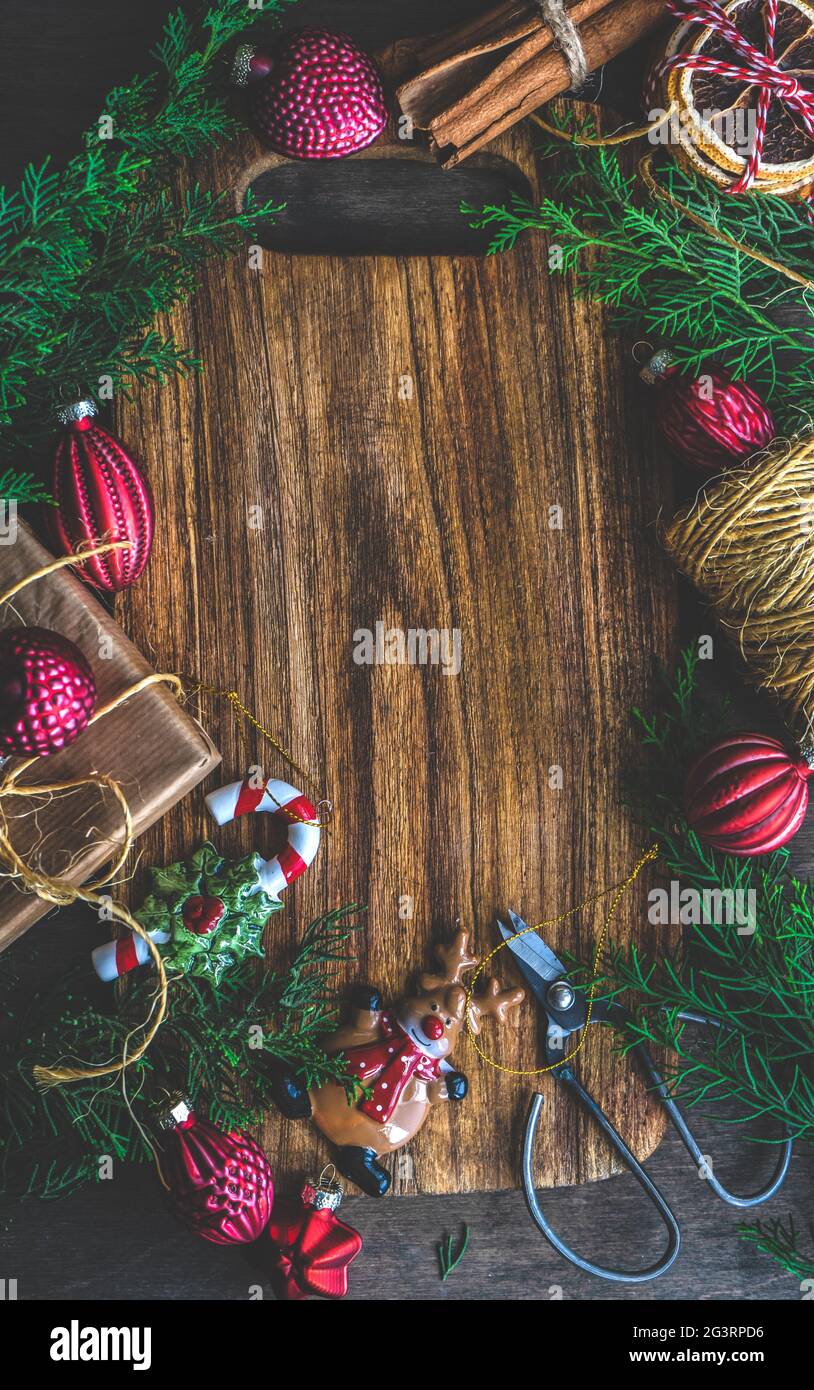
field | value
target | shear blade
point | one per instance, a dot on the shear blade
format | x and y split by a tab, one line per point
538	960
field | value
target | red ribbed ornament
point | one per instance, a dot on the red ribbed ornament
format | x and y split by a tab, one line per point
47	692
101	495
747	794
710	422
312	1249
221	1185
318	96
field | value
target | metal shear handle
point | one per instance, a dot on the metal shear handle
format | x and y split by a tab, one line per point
621	1276
688	1138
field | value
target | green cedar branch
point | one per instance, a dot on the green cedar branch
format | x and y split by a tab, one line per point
664	277
216	1045
90	254
780	1241
758	1063
21	487
448	1257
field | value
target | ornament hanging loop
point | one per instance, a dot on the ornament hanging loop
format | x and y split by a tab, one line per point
646	346
324	1194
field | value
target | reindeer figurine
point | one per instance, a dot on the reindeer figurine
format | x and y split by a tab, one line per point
400	1056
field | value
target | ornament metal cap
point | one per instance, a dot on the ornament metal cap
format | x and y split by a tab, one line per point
322	1193
178	1112
241	64
654	369
80	410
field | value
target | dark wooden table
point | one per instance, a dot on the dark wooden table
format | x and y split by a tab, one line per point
116	1238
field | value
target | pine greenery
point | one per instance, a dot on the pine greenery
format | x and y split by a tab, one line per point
17	486
780	1240
758	1063
759	986
667	279
90	254
215	1045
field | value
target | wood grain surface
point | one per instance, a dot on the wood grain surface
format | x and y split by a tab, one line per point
114	1239
381	440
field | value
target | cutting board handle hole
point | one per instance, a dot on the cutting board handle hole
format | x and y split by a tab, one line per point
386	206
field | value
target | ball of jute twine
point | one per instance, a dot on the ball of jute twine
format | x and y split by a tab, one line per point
747	543
55	890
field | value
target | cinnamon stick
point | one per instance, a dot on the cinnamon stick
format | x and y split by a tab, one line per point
484	77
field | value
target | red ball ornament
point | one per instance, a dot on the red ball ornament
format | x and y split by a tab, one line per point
47	692
710	422
318	96
312	1248
101	495
221	1185
747	794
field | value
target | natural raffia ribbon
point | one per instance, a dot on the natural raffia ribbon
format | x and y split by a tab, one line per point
55	890
747	543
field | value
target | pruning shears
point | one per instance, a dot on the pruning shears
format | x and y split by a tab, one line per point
566	1009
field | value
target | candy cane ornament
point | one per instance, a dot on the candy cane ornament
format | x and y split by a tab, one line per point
280	799
115	958
210	912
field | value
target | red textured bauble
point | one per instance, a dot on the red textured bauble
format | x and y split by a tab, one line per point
47	691
710	422
747	794
101	495
221	1185
318	96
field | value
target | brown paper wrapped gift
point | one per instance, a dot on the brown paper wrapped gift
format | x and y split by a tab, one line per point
149	745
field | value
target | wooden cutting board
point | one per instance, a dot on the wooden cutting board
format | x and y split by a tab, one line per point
387	439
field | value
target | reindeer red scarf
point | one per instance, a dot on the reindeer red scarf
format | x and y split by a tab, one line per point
392	1062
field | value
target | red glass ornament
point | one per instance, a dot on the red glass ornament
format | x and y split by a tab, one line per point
47	691
101	495
747	794
221	1185
710	422
313	1249
318	96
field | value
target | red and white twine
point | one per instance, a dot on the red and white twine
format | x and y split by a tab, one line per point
758	69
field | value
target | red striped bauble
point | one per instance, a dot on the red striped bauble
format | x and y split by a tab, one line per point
747	794
709	422
101	495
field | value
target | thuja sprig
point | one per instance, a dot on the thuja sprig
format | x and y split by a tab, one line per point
91	253
216	1044
780	1241
756	1062
448	1257
664	276
757	985
17	486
